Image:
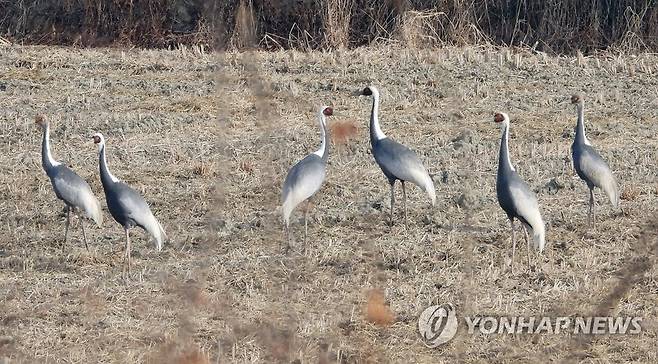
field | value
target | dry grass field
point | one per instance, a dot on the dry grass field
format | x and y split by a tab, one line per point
208	138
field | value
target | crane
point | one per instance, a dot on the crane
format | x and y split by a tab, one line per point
589	165
306	177
515	197
396	160
126	205
68	186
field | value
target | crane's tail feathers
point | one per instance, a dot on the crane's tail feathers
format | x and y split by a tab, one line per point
539	237
612	190
432	194
286	210
155	229
429	189
94	212
538	232
163	236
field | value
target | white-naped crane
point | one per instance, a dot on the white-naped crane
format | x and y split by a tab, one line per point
589	164
515	197
68	186
126	205
396	160
306	177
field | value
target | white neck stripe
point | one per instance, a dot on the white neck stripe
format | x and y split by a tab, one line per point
379	134
48	154
506	136
107	169
322	120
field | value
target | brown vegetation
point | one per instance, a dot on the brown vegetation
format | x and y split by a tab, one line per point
551	26
343	131
377	311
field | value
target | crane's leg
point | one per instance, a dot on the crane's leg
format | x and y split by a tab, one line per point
127	255
527	241
590	215
392	201
286	230
84	234
511	221
129	249
66	228
125	252
308	207
404	203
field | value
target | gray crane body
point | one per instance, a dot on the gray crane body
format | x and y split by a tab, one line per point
515	196
68	186
396	161
306	177
302	182
126	205
589	164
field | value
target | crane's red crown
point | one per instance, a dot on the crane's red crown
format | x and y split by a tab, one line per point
328	111
366	92
40	120
499	118
97	139
576	99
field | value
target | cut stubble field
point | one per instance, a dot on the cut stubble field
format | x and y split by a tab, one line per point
208	138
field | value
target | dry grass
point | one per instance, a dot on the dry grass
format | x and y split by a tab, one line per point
563	26
208	138
337	15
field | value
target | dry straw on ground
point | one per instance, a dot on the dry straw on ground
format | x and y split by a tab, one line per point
207	138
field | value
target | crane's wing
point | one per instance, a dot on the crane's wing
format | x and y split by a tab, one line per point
598	172
75	191
303	180
403	163
137	209
527	208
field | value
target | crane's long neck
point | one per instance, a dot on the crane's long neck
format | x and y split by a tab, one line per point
47	159
323	152
376	132
107	178
504	162
581	138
